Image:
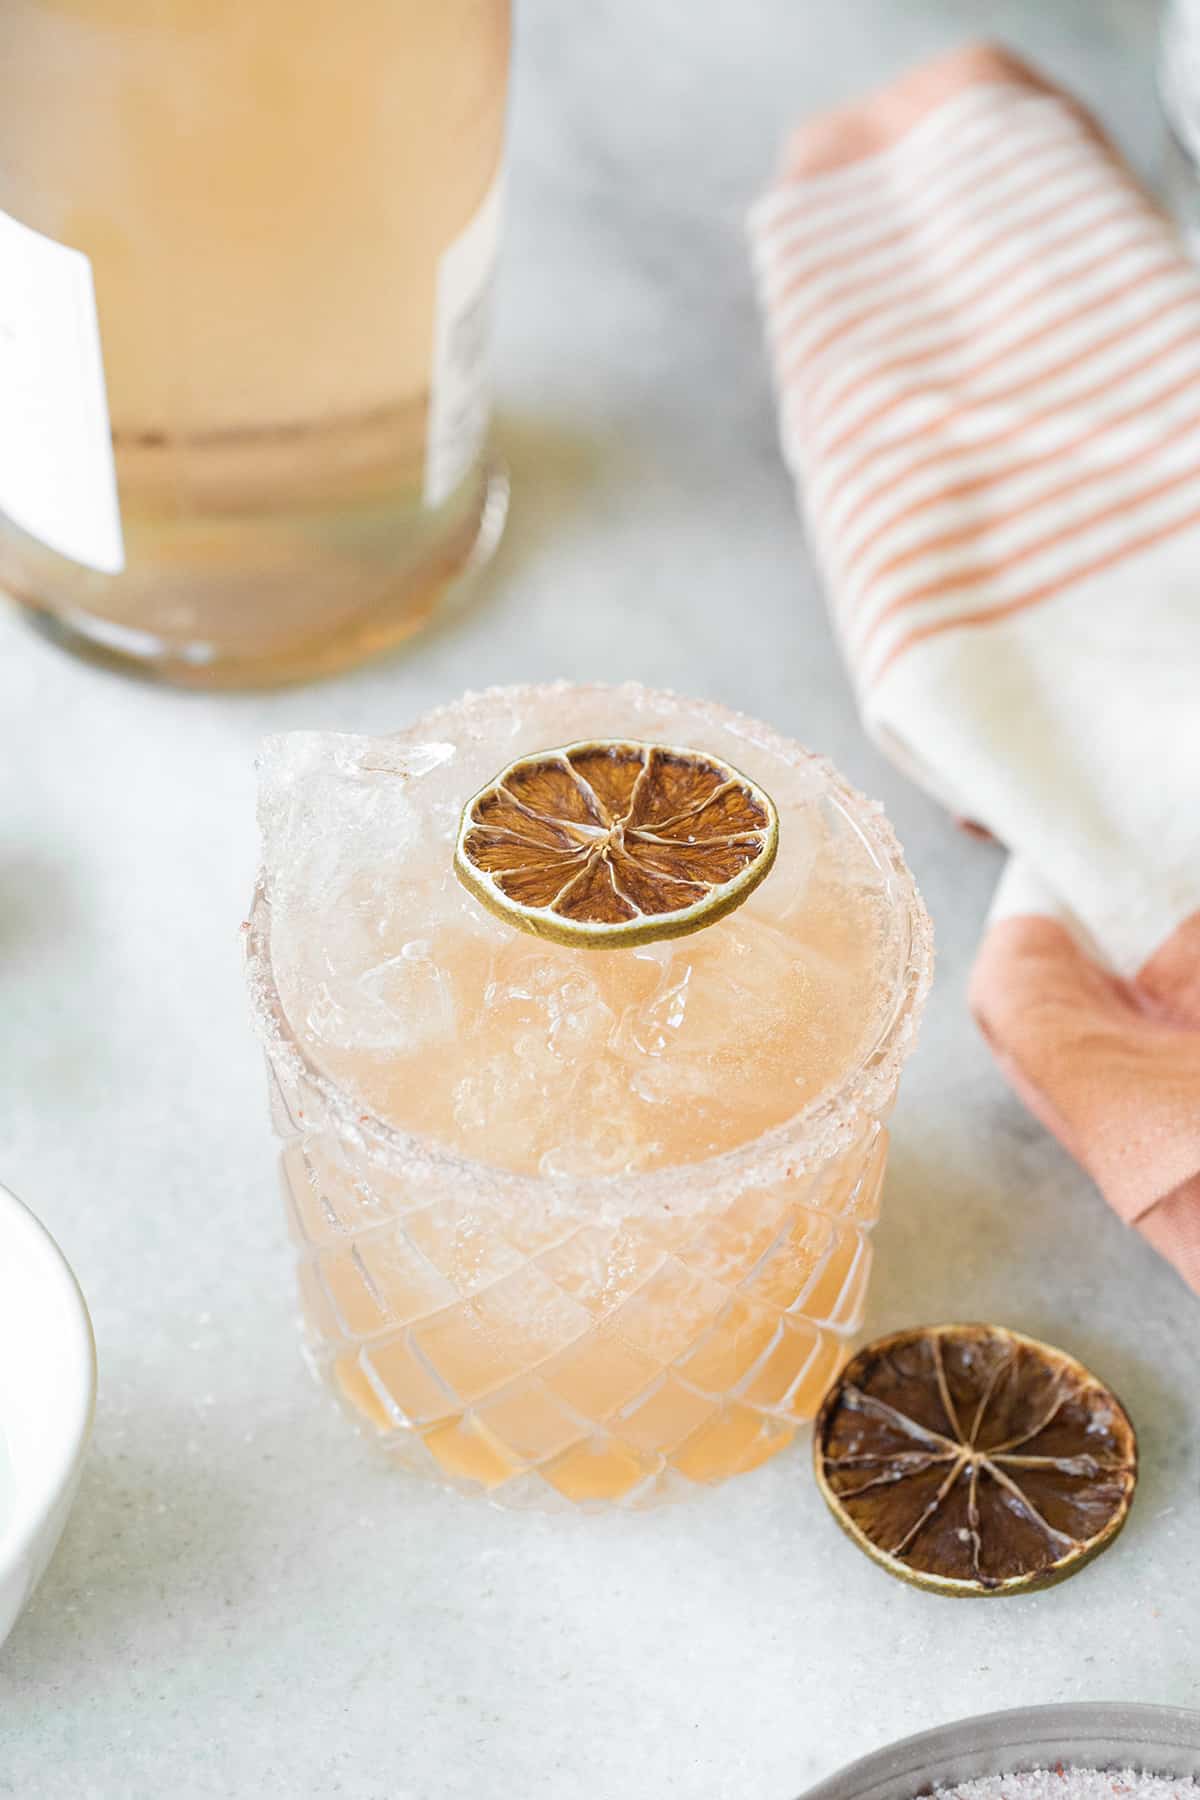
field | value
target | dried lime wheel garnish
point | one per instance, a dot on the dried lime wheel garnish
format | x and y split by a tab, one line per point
971	1460
610	842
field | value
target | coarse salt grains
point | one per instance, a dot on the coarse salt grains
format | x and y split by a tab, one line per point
1064	1783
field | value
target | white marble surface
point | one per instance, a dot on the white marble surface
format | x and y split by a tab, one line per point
244	1602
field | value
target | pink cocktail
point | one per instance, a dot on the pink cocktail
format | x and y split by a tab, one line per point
576	1224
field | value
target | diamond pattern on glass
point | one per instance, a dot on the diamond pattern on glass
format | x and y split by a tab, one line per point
567	1365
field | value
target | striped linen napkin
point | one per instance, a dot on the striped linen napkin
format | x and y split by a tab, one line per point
986	342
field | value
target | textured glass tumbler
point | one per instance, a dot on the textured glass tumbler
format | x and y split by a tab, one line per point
609	1339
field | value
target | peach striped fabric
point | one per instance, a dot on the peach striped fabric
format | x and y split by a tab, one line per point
986	341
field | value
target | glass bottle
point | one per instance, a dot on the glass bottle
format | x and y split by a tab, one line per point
245	261
1179	87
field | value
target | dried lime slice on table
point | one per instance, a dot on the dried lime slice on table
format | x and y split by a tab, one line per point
971	1460
609	842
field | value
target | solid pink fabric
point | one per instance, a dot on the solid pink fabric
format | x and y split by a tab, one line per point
1111	1067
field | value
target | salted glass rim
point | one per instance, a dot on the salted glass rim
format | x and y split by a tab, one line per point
809	1138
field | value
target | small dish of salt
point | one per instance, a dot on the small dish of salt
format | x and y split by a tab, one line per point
1093	1751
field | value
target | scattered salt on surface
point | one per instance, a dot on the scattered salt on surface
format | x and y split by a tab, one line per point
1062	1783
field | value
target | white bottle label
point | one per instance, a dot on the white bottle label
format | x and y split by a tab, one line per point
459	379
57	477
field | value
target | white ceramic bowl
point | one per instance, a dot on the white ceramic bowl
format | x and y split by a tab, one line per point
47	1393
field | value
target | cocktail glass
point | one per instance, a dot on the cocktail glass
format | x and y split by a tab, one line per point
575	1226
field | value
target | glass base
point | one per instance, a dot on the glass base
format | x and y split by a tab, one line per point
260	601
